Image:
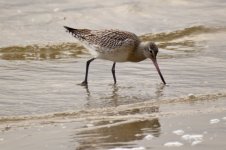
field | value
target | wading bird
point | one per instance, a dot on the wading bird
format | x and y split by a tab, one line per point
116	46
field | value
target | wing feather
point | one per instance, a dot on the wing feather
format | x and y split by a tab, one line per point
109	39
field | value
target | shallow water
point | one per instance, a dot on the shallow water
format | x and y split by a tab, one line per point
41	65
43	79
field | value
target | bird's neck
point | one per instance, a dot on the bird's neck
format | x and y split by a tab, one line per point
137	54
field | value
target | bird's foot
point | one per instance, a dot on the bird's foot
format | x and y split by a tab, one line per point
84	83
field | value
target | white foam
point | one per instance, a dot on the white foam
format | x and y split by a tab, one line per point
148	137
89	125
214	121
191	95
56	9
63	126
111	121
19	11
192	137
173	144
224	118
196	142
136	148
137	135
178	132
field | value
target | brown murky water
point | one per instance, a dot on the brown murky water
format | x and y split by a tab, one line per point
41	66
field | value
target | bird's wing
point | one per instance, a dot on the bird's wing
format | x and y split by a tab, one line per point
109	39
113	38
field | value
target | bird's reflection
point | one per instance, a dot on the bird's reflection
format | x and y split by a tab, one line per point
113	133
159	90
88	95
115	95
116	133
86	87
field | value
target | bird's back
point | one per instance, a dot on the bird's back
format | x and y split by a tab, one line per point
107	43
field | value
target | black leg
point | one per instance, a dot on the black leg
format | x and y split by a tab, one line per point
85	82
113	72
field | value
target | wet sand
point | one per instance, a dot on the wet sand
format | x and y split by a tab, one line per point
185	124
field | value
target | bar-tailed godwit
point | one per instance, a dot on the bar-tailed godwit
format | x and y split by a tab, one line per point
116	46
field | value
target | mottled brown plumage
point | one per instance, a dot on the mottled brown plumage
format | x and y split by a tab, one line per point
116	46
110	39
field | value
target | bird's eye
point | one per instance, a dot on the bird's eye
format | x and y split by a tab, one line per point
150	50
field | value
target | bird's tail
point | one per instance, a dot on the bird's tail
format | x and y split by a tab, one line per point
78	33
70	30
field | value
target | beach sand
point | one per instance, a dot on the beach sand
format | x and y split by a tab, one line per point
188	124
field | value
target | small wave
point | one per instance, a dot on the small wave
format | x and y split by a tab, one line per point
41	52
68	50
122	112
194	30
176	41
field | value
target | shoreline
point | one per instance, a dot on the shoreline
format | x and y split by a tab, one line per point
141	128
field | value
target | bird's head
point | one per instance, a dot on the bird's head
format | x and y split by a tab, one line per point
150	50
